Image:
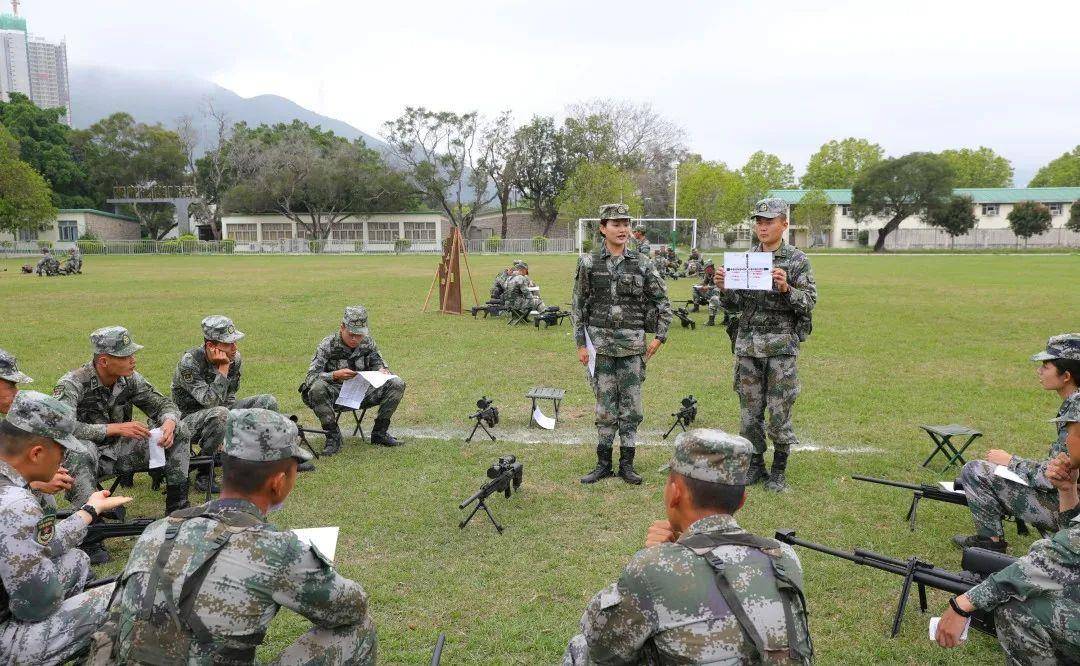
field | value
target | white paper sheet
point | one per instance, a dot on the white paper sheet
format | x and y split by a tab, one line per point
592	354
376	377
157	454
735	274
1006	473
934	623
748	270
323	538
352	392
1076	520
949	486
545	422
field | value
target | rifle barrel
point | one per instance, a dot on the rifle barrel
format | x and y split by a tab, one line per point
887	482
436	657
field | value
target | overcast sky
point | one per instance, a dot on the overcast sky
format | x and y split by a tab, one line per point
738	76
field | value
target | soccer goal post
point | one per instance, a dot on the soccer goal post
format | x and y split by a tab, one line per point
657	229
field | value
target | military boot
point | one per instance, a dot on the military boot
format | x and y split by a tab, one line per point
603	466
97	553
696	307
626	466
333	440
157	475
305	467
203	480
380	436
712	320
979	541
777	481
125	479
176	497
756	472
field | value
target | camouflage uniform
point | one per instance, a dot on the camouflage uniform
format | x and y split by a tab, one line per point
641	246
766	347
204	395
614	299
519	297
97	405
74	262
1036	602
251	570
498	289
320	390
681	602
44	618
47	265
990	497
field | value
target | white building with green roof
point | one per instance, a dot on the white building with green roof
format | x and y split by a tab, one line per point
992	207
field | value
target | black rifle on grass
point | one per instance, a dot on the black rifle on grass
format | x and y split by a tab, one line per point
977	564
493	308
684	318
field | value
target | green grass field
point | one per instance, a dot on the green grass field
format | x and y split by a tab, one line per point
898	341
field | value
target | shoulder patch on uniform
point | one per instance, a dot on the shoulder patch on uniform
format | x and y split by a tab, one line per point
58	391
187	375
45	529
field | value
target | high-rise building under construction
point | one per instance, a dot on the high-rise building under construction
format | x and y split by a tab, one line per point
33	66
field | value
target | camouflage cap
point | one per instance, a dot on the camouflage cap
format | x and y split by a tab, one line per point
618	211
45	416
639	228
220	329
9	369
1066	345
770	208
262	435
114	341
711	455
355	320
521	263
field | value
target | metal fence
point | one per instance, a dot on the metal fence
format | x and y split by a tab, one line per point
907	239
521	246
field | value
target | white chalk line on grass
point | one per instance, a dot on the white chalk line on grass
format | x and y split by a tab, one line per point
583	438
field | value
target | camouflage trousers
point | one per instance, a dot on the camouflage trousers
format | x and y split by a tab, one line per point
352	645
991	498
66	632
207	426
714	305
771	382
121	454
577	652
320	397
1028	642
617	385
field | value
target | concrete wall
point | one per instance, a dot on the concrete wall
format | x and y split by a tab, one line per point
105	226
520	223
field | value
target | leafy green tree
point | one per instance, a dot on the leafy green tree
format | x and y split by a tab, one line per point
764	172
25	199
981	167
956	217
815	211
1029	218
544	164
44	144
838	164
593	184
1061	172
712	193
312	177
440	154
499	161
899	187
1073	224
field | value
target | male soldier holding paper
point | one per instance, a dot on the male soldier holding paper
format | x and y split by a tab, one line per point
203	585
618	296
103	393
339	357
771	326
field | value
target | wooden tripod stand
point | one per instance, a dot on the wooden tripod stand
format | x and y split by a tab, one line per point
448	276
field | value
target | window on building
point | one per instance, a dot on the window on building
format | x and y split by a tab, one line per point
743	234
275	231
420	231
348	231
849	235
245	233
845	210
989	210
68	230
1056	208
28	234
383	232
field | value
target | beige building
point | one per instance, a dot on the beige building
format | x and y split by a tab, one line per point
520	223
992	207
371	232
71	223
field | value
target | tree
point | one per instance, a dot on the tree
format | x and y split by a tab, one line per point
1029	218
593	184
764	172
312	177
981	167
25	198
497	160
900	187
44	144
1073	223
439	152
956	217
1062	172
838	164
543	165
712	193
815	211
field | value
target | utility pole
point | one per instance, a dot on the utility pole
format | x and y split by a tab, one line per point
675	207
